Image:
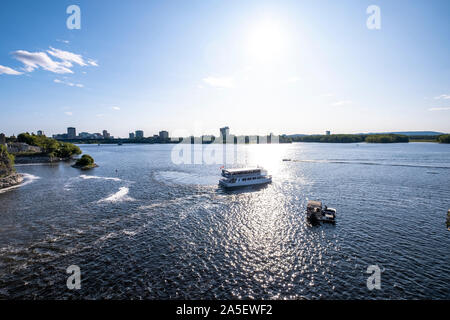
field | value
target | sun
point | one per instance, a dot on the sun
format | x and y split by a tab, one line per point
266	41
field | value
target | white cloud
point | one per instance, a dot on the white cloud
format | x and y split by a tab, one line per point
63	41
219	82
70	84
34	60
67	57
69	113
341	103
115	108
8	70
92	62
439	109
442	96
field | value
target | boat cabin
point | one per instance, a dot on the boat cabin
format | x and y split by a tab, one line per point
314	206
229	173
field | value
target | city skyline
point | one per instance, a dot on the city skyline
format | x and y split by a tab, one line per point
261	66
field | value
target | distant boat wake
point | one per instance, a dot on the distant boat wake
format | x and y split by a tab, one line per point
27	179
86	177
374	163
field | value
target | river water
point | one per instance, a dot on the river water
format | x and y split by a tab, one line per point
142	226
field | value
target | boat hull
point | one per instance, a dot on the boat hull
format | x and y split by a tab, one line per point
242	184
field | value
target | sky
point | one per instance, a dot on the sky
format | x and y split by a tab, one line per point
191	67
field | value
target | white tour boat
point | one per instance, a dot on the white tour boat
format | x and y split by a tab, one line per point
242	177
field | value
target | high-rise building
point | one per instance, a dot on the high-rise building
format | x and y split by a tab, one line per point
106	135
164	135
139	134
224	132
131	135
71	133
327	133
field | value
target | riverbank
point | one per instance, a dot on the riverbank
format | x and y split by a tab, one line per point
41	158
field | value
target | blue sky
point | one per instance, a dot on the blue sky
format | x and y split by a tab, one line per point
191	67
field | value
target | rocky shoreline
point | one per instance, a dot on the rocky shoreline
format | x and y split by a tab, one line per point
11	180
38	159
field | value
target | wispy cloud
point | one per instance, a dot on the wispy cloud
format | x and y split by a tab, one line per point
92	62
219	82
68	113
8	70
67	57
34	60
115	108
63	64
63	41
341	103
439	109
442	96
70	84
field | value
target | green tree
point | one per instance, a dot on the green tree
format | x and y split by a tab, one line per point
6	162
85	160
386	138
445	138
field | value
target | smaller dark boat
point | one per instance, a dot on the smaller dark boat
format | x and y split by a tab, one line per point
315	213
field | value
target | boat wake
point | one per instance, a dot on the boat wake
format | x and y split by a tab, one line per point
119	196
27	179
374	163
178	177
86	177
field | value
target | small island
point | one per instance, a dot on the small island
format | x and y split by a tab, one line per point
86	162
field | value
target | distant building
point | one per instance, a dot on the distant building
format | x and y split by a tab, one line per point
131	135
40	133
63	136
327	133
164	135
71	133
85	135
207	138
224	132
106	135
139	134
2	138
